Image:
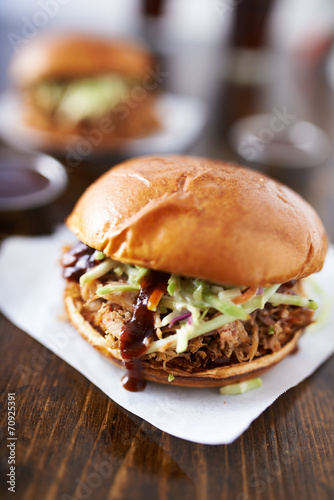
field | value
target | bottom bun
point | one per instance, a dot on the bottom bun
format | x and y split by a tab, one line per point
214	377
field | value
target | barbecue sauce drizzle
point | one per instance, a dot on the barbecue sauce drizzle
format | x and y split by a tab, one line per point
136	335
78	260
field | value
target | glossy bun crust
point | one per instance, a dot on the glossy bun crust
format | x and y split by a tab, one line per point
201	218
68	56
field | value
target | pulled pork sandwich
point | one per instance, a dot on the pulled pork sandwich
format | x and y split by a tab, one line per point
73	84
189	270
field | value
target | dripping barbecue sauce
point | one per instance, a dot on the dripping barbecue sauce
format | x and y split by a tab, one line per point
78	260
135	336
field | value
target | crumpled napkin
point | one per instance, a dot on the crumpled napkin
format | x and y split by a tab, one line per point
31	296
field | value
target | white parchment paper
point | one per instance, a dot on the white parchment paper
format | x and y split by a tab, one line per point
31	296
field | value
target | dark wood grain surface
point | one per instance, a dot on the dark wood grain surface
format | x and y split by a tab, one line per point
73	442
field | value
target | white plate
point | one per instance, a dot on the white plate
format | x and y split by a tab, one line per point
182	118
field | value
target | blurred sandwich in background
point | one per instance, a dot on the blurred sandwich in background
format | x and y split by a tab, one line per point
72	85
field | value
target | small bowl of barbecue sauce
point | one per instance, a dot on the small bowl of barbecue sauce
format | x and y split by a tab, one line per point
29	181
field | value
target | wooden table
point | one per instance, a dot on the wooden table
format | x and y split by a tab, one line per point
75	443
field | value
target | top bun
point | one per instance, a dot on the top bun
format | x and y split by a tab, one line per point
69	56
201	218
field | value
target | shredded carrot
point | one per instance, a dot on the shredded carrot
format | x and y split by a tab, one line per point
154	299
247	295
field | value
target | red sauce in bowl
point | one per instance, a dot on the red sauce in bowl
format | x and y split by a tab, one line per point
16	181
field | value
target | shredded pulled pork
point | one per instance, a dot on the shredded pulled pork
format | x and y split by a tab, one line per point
239	341
267	330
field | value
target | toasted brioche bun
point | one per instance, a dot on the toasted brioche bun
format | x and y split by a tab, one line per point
213	377
68	56
201	218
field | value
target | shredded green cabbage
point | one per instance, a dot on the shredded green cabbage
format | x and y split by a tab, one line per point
132	274
99	255
195	296
84	97
292	300
326	300
241	387
97	271
105	290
